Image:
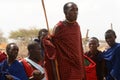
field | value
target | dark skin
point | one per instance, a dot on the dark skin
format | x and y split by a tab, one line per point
42	34
12	52
71	13
93	45
110	39
37	75
34	55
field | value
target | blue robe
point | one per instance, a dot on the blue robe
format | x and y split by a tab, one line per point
112	58
16	69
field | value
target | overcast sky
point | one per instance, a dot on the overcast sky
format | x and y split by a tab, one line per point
95	15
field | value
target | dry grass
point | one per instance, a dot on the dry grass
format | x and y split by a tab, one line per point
23	48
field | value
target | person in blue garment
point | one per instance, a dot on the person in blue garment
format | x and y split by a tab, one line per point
10	68
112	56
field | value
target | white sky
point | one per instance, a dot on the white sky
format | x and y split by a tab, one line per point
95	15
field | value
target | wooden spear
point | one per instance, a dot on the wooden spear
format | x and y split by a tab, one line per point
45	16
53	63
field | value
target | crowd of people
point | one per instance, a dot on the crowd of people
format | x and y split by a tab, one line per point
60	55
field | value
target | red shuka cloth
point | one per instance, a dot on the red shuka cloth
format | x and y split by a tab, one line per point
28	67
66	48
90	69
3	56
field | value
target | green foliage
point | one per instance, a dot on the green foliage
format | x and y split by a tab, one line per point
24	34
2	39
22	37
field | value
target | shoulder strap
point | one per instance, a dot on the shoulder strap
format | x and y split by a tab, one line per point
37	66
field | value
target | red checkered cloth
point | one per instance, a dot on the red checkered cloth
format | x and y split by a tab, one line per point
66	47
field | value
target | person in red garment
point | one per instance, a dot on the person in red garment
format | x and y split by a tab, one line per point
93	53
33	64
63	50
3	56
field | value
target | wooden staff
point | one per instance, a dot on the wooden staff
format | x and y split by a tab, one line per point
45	16
53	62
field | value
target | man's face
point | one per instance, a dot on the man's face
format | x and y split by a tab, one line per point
42	34
72	12
110	39
93	44
13	51
35	52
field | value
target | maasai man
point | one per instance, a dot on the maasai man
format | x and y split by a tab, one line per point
41	34
112	56
93	53
64	48
10	68
33	63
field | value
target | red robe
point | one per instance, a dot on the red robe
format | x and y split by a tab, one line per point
3	56
66	48
28	68
90	69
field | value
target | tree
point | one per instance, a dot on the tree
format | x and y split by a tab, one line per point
24	34
2	39
22	38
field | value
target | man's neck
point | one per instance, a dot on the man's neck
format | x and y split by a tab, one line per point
94	52
10	61
33	59
70	22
